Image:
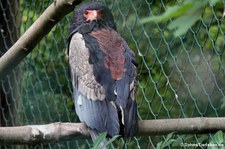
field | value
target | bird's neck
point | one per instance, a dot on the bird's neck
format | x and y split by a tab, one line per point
93	26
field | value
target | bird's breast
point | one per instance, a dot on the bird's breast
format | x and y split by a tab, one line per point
111	44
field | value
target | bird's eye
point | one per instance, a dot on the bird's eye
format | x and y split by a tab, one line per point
85	12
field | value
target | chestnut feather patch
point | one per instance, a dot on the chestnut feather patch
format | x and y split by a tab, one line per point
111	43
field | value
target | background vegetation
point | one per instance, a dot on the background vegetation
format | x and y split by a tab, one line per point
180	76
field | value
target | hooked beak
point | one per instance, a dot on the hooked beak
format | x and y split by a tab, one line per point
91	15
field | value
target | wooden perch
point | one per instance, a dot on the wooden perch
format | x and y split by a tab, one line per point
198	125
35	134
25	44
55	132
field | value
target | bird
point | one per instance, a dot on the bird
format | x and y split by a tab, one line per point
103	72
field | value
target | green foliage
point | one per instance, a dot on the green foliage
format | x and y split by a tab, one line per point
167	142
184	15
111	140
217	141
101	138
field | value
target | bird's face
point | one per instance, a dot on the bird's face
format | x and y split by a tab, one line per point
91	15
93	12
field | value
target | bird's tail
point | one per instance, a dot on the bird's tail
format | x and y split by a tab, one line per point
94	135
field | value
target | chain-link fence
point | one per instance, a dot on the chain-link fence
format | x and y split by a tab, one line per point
179	77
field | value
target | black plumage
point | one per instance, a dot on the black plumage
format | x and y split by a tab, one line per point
103	72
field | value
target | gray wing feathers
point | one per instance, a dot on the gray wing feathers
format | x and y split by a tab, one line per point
79	66
89	95
100	115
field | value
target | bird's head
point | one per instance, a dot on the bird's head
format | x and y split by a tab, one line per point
93	12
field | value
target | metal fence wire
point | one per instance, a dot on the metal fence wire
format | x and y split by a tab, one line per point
178	77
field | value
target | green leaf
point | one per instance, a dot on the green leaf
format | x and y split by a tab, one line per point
213	2
182	24
218	137
112	139
100	138
184	15
169	136
159	145
171	12
168	141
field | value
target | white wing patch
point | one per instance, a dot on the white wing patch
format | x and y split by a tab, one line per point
122	113
79	101
113	104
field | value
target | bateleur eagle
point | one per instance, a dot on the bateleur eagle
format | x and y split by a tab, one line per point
103	72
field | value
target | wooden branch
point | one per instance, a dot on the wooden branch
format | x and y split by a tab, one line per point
35	134
55	132
198	125
53	14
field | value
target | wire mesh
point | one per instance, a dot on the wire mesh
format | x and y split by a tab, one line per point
178	77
